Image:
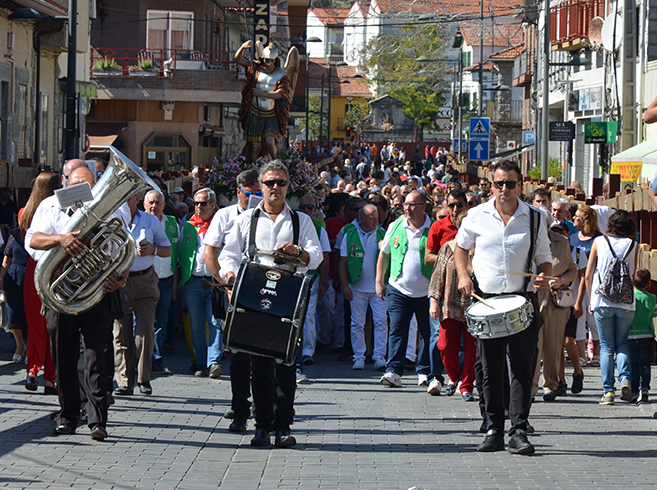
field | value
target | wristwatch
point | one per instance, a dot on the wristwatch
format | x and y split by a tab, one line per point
299	250
155	251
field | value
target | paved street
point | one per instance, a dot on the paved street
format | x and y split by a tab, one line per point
352	433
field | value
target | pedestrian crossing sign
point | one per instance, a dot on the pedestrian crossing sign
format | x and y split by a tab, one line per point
479	128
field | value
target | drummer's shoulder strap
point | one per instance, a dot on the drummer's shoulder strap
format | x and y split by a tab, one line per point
254	223
534	223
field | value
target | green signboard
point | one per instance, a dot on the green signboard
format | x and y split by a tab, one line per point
600	132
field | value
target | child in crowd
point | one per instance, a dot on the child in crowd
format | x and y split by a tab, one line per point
642	335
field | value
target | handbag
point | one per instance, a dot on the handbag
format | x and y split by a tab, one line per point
121	303
563	298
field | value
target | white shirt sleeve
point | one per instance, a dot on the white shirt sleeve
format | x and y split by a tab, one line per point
309	241
343	247
385	243
233	251
324	241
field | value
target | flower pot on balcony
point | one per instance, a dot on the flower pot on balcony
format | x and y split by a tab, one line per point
106	73
142	73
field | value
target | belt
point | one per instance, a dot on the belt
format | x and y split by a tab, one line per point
141	273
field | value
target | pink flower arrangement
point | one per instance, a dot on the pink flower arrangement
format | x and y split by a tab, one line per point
222	175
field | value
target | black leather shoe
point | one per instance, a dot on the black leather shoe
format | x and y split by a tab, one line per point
145	388
483	428
284	438
519	444
230	414
261	438
31	383
237	425
64	430
494	441
98	432
123	391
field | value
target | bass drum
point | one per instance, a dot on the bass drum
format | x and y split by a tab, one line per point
267	312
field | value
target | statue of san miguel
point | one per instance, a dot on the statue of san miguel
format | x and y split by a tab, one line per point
266	98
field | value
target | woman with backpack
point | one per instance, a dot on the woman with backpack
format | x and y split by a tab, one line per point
609	283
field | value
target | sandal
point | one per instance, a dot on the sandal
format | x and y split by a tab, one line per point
50	390
31	382
595	361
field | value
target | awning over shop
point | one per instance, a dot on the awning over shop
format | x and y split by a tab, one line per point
102	133
637	161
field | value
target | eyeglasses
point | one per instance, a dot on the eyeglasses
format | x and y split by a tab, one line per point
484	184
306	206
455	205
413	204
272	183
510	184
251	193
201	203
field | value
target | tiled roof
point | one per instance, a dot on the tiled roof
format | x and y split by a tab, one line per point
343	79
487	66
505	35
448	7
508	54
330	16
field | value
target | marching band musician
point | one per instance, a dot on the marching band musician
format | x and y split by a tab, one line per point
273	385
501	232
94	325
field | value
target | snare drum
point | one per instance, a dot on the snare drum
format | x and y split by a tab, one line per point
510	315
267	311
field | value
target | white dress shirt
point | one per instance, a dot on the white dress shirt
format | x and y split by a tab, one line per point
162	265
500	248
50	219
367	281
154	233
270	235
410	282
222	222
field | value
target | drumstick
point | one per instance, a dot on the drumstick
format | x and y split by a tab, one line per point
476	296
209	285
527	274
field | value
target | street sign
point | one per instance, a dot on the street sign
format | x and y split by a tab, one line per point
562	131
479	128
600	132
528	138
479	150
455	145
510	145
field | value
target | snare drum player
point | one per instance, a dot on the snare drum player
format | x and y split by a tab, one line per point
501	232
272	384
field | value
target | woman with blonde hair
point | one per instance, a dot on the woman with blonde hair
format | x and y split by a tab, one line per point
586	222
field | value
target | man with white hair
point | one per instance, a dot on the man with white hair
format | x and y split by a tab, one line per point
165	268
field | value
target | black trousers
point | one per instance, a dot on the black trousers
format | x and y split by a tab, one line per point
95	326
273	388
240	384
521	350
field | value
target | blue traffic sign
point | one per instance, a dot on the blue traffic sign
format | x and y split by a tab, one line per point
479	150
528	138
479	128
455	145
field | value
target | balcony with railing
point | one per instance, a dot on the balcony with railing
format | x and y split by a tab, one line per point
523	69
183	69
570	23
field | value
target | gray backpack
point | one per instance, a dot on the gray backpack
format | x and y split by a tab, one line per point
616	285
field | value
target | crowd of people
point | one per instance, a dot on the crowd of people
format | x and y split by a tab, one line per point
397	249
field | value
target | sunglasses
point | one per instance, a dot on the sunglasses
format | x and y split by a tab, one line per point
251	193
306	206
201	203
455	205
510	184
272	183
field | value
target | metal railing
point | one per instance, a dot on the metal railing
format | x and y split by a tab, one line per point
126	61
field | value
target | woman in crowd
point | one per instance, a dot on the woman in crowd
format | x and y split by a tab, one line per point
613	315
12	275
38	341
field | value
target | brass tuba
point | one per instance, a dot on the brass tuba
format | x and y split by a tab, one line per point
74	285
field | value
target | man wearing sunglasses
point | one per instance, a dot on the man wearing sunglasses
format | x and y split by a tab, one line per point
500	231
240	363
441	232
273	385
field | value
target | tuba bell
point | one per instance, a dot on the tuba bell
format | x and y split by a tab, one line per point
74	285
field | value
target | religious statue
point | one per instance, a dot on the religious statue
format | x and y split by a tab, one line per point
266	98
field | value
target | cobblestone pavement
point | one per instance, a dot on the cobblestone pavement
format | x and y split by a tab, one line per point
351	432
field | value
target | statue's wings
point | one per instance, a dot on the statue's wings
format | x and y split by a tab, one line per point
292	69
259	48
